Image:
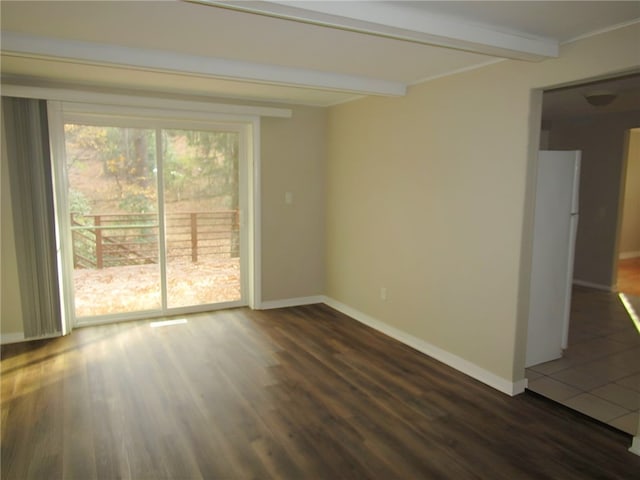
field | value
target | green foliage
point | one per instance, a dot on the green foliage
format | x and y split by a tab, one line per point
126	155
78	203
84	143
129	154
137	203
201	164
113	171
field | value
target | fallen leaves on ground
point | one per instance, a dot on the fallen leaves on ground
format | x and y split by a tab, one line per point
135	288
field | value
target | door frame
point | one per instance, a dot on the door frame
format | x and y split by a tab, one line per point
621	206
248	127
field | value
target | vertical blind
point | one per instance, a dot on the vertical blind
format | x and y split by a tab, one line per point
27	140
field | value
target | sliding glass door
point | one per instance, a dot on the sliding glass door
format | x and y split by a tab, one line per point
202	228
113	213
153	217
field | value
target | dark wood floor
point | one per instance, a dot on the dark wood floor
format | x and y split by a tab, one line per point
300	393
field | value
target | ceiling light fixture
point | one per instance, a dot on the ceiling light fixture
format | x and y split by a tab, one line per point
600	98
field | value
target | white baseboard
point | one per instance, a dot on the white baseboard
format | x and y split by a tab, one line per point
16	337
290	302
626	255
458	363
635	445
597	286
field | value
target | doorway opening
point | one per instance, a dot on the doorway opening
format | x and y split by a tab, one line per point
628	261
598	372
151	216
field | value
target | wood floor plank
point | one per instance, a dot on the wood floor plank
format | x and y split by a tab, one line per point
296	393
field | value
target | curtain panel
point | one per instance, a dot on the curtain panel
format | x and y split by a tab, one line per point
30	172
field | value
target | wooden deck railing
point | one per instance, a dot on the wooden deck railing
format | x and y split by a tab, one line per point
108	240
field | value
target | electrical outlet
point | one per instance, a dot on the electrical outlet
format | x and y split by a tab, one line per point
383	293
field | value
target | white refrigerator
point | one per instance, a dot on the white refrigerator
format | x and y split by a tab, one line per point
554	236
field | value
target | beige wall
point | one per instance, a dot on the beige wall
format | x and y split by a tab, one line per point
10	307
630	229
293	160
602	140
430	196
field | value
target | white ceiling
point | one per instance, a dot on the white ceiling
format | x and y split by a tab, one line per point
561	20
314	53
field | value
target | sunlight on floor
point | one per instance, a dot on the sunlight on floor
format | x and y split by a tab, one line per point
166	323
630	310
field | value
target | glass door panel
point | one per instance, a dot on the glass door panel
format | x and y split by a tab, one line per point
201	205
113	205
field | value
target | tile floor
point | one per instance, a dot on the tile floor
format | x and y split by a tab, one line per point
599	374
